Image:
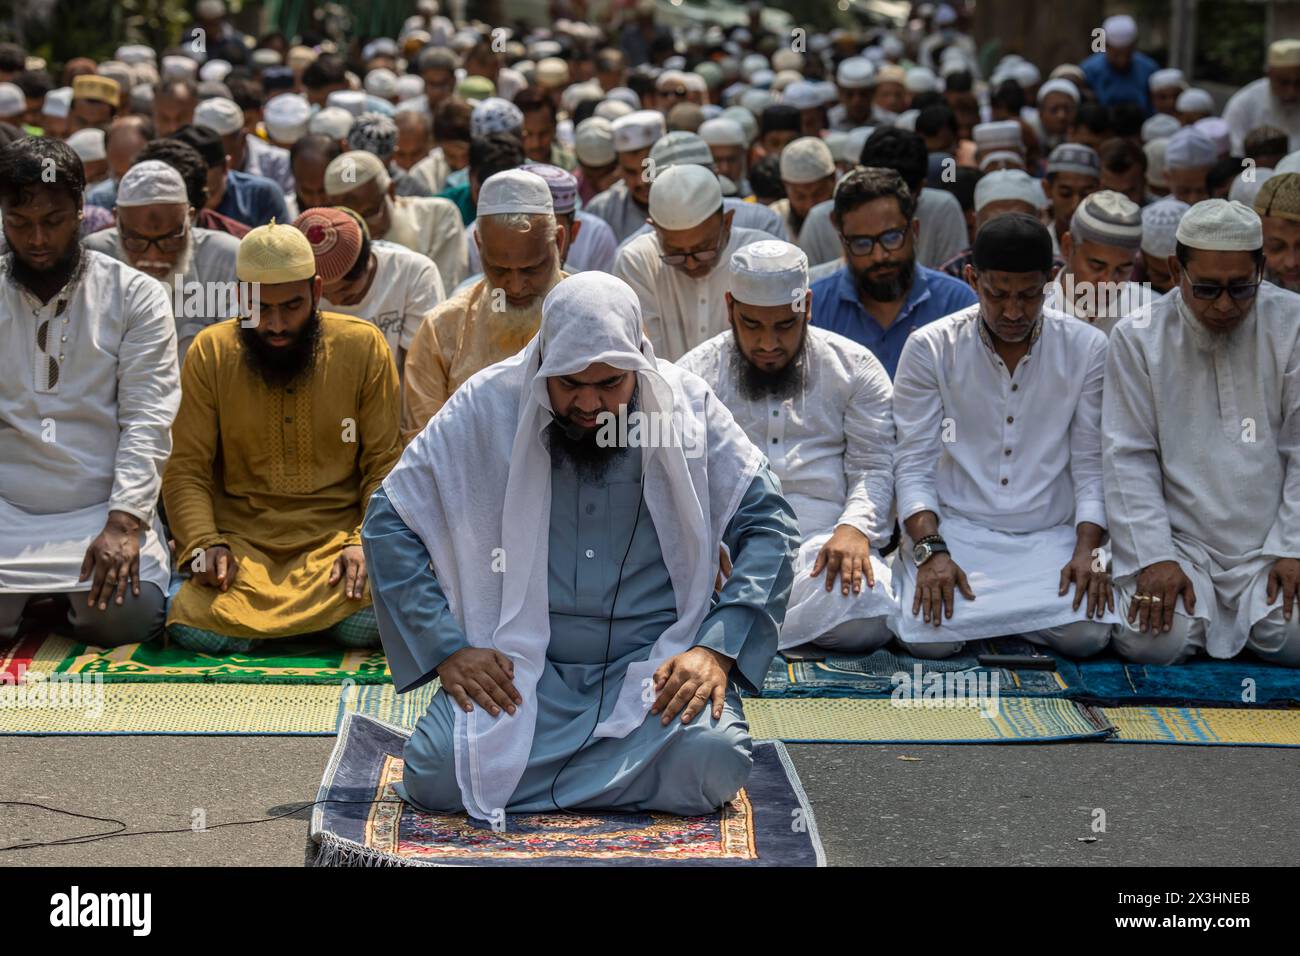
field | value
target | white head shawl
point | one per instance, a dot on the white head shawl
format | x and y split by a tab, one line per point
498	495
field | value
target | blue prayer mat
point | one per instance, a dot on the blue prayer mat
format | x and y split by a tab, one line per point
363	823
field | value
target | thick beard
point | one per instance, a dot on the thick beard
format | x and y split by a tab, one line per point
62	269
755	384
890	291
277	366
589	459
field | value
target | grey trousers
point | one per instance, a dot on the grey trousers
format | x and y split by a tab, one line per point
1077	639
856	636
137	620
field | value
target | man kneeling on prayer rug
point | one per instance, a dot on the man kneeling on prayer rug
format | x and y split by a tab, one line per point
287	424
1202	433
998	463
818	404
561	585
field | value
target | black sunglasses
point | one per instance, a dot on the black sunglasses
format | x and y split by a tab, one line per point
1237	291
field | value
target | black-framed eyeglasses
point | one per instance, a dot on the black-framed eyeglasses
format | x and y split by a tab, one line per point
172	242
891	240
699	255
1237	291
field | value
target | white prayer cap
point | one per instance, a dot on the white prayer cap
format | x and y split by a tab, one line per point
263	57
1074	158
891	46
945	16
752	63
829	94
1221	225
1160	125
906	120
1244	190
1194	101
88	144
787	59
58	103
152	183
1155	150
1217	132
132	53
763	79
637	130
678	147
333	121
626	95
381	46
1109	218
593	142
354	101
1120	30
783	79
381	82
1189	148
179	68
211	9
1026	74
920	79
215	71
12	100
611	110
573	95
220	115
802	95
1290	163
1169	79
768	272
1160	221
1067	71
756	101
409	87
1058	86
286	116
1009	184
806	160
695	83
684	196
1003	134
352	169
1284	53
723	131
515	191
748	122
855	73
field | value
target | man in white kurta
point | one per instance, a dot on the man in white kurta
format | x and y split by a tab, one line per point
1100	250
818	405
683	301
998	463
1272	100
88	391
1202	435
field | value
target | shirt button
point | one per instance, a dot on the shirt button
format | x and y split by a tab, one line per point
1004	481
288	419
1015	388
1008	454
776	413
1010	419
591	510
592	554
776	441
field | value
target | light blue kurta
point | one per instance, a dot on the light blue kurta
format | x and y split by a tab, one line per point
686	769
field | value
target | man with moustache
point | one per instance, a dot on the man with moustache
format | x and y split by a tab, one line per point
428	225
625	204
563	589
1201	454
881	294
519	245
88	392
997	465
818	405
156	234
674	269
287	424
1278	206
1101	251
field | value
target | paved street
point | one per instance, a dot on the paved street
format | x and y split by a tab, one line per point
955	805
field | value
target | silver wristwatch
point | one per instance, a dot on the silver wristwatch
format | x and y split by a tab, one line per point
927	548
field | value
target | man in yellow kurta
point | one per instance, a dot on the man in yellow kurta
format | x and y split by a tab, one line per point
519	245
288	423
